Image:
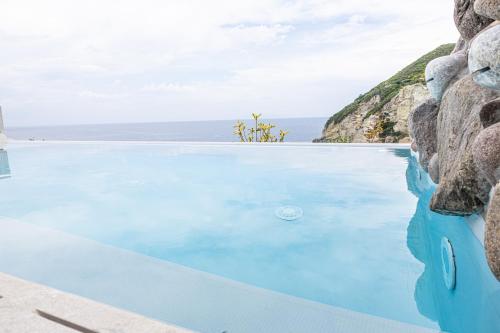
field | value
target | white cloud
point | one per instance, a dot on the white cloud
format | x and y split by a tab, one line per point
167	87
196	59
97	95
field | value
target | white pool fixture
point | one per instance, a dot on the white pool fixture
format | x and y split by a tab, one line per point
289	213
448	263
4	164
3	137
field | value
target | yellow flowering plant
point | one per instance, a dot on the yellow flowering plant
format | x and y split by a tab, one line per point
262	132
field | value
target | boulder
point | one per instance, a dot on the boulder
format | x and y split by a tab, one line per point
492	233
462	190
486	153
490	113
488	8
484	58
460	45
413	146
440	72
423	127
434	168
468	22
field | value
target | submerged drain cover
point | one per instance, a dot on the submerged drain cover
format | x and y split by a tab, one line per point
289	213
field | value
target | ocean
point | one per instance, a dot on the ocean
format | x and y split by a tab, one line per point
300	130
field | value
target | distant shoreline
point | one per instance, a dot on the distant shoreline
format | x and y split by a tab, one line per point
301	130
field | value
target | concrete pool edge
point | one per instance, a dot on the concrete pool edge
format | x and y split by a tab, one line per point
28	307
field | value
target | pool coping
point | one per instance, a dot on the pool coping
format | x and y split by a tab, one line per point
31	307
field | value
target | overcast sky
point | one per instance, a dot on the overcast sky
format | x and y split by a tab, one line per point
75	62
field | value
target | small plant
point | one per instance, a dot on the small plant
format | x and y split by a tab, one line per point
260	133
374	133
382	129
342	139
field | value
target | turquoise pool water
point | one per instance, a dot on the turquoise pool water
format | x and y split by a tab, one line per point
366	241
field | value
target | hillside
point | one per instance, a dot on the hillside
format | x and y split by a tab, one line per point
380	115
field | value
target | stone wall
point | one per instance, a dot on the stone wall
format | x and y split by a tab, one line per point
457	129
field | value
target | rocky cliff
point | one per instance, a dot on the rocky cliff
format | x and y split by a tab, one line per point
381	115
456	130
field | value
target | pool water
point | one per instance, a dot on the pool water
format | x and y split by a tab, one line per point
364	240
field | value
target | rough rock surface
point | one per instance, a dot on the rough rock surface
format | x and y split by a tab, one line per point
468	22
434	168
492	234
413	146
486	153
488	8
462	190
440	71
460	45
484	58
423	122
490	113
355	127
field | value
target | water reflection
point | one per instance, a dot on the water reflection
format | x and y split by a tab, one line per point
474	305
4	164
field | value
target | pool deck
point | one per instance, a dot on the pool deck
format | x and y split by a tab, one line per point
29	307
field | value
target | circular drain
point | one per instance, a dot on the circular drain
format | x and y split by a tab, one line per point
289	213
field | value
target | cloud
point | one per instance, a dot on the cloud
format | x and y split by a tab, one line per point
97	95
101	61
167	87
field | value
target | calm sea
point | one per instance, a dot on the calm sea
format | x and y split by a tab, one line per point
300	130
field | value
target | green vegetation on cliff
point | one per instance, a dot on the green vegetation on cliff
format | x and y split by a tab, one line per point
411	74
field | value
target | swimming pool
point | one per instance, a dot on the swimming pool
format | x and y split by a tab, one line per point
188	233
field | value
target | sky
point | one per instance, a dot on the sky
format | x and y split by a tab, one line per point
105	61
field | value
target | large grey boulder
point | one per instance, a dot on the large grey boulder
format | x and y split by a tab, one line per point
468	22
440	72
462	190
423	120
484	58
486	153
488	8
460	45
490	113
434	168
492	233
